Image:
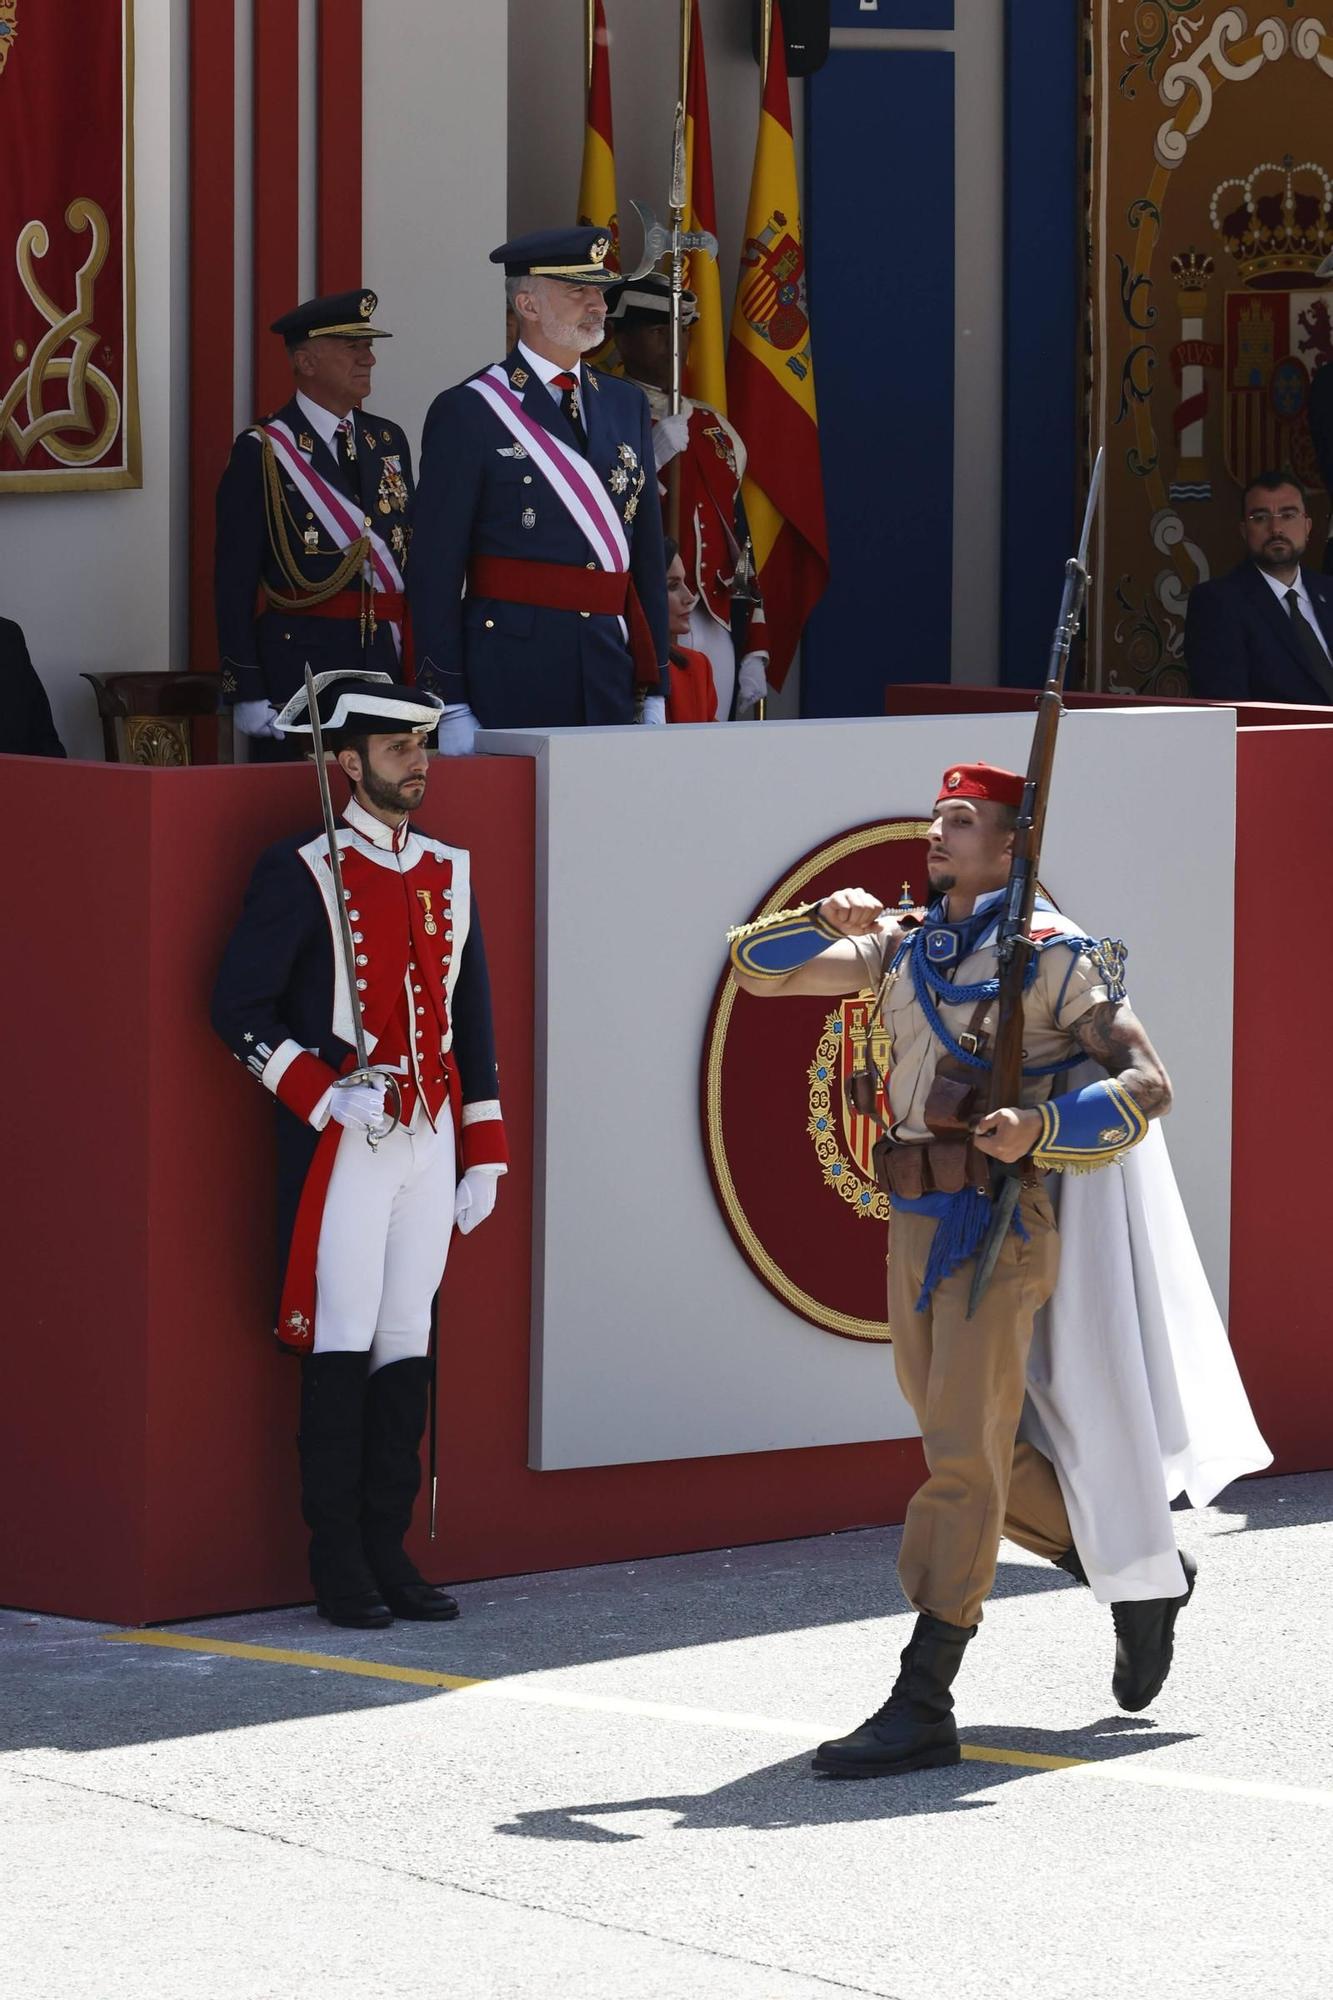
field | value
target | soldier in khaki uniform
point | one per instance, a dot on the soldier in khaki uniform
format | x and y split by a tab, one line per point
934	978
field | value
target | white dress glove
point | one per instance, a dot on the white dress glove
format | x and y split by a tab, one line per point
654	709
256	718
670	437
752	682
458	732
357	1105
474	1198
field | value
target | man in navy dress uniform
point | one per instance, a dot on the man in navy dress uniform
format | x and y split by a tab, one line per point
1264	632
366	1212
314	515
537	500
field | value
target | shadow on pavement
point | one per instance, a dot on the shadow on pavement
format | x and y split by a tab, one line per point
1304	1501
790	1794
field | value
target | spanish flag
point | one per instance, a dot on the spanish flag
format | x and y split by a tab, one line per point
597	182
771	384
705	376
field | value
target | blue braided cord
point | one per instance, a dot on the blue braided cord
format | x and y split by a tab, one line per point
961	1222
924	977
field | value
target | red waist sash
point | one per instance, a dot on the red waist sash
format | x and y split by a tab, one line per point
565	587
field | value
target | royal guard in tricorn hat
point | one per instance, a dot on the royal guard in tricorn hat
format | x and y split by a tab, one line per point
354	988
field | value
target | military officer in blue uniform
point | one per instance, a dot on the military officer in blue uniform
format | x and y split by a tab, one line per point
314	515
538	592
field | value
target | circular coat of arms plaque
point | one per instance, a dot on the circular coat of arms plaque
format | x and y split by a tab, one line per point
789	1157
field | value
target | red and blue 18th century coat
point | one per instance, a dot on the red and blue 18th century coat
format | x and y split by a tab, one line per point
285	1007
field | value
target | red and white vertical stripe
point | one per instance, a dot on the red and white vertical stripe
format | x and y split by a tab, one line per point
275	217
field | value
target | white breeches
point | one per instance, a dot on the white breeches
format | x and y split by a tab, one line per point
707	636
383	1242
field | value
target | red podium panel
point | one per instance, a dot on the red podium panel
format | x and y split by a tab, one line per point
147	1430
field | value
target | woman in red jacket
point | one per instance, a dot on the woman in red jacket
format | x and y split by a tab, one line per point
693	696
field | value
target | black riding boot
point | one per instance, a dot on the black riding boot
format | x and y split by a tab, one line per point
333	1395
915	1729
396	1400
1144	1636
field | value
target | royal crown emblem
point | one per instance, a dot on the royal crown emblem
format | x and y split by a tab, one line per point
1280	224
368	304
597	254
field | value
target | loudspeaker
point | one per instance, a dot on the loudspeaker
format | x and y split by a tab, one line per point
805	27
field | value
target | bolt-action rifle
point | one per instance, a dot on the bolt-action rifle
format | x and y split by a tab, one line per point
1014	946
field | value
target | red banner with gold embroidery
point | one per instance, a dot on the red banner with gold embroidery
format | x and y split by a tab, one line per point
69	416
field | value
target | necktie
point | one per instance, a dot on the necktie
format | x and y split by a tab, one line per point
1311	652
568	386
347	448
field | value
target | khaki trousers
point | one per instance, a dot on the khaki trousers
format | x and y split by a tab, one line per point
965	1382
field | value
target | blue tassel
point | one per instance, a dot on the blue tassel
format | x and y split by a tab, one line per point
961	1222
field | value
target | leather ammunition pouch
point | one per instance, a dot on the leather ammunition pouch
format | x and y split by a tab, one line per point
949	1162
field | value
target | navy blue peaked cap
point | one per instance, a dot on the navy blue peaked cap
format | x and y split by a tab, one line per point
577	255
347	315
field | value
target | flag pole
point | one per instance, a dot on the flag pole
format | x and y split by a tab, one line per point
589	33
765	37
677	201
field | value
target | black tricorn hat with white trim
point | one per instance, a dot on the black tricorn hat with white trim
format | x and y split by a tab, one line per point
370	704
646	301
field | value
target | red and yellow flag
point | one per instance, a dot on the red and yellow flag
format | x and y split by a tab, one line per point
705	376
597	182
771	383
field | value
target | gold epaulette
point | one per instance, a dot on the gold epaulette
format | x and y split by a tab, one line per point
776	917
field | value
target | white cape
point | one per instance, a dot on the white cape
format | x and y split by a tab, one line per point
1133	1391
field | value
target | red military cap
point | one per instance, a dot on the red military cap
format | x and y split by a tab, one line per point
982	781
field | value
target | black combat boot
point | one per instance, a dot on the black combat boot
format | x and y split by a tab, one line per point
915	1729
333	1394
396	1400
1144	1636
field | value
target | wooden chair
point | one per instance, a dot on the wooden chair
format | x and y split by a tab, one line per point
162	719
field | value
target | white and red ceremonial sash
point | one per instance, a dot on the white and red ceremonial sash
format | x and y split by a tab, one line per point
342	523
572	479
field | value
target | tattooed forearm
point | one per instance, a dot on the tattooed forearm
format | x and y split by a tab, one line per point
1114	1036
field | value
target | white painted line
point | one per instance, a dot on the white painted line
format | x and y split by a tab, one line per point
1119	1770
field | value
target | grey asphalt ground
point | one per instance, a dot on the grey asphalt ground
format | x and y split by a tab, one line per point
625	1806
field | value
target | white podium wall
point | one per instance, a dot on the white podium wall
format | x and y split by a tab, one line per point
652	1338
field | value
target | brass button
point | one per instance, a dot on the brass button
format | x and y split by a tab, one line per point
369	522
590	565
490	624
585	614
527	479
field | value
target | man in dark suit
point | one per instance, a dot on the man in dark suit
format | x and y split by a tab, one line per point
26	727
537	496
314	515
1264	632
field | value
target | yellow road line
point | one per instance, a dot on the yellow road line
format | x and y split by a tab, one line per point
1029	1760
1131	1770
333	1663
337	1663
